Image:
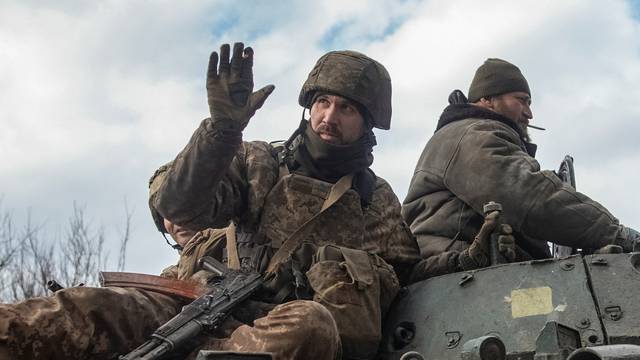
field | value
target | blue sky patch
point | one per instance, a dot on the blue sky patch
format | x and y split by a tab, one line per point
635	9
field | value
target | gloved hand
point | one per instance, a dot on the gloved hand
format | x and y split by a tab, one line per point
507	243
609	249
230	86
628	238
477	255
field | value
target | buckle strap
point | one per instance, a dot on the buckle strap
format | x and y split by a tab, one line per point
289	245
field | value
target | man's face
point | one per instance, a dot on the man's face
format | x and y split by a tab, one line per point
336	119
514	105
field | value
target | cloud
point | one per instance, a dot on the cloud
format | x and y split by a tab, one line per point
95	96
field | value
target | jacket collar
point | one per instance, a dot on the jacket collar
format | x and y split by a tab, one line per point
455	112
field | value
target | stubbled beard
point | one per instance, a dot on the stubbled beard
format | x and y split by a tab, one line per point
525	132
331	130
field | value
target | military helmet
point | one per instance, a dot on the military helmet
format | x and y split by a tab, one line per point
354	76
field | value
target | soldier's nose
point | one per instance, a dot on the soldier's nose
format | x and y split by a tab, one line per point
331	115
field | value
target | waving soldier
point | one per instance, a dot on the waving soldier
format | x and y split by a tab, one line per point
309	214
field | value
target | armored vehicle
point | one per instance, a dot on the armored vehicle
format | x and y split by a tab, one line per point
579	307
572	306
576	308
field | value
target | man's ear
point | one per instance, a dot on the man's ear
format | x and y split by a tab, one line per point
486	103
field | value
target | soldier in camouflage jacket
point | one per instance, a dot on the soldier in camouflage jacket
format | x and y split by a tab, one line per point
325	295
346	266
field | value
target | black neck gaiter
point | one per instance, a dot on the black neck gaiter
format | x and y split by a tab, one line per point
461	111
329	162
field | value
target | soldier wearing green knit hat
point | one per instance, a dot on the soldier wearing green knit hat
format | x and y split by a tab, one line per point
481	152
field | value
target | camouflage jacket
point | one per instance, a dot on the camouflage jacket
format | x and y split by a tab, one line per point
217	179
472	161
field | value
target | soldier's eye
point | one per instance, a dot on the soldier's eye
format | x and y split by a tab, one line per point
322	100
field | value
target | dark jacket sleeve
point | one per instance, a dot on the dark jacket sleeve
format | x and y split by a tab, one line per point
436	265
489	165
206	185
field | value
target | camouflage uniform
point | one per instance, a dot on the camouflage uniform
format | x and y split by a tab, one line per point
271	210
479	157
350	255
82	323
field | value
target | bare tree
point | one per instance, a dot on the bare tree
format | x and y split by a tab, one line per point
7	238
31	256
125	236
32	263
8	246
83	252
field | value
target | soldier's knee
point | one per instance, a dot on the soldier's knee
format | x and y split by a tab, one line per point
115	298
313	320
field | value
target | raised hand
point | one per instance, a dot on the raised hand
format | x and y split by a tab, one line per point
230	86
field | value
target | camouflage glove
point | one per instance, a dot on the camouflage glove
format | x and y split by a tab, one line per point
477	255
628	238
609	249
230	86
507	243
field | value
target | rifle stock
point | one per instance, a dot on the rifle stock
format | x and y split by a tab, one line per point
205	313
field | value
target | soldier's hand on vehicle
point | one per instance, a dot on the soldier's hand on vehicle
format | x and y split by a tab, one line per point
477	255
230	86
507	243
628	238
610	249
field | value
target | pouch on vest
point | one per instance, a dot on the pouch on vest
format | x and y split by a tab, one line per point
289	282
206	242
357	288
216	243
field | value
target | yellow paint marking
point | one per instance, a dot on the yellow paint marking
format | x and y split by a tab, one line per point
531	301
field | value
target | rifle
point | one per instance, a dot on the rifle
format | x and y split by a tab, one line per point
54	286
568	176
228	289
566	173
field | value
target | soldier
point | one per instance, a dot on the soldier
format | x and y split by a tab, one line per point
309	213
481	152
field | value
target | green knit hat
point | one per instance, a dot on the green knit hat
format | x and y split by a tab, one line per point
496	77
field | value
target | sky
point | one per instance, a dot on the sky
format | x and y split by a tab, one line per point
94	96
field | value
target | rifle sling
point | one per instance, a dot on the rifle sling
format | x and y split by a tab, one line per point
233	259
291	244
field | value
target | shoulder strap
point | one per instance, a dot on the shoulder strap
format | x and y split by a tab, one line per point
289	245
233	260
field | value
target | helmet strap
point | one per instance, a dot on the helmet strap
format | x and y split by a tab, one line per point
296	138
177	247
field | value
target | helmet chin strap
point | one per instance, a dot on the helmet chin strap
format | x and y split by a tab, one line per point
291	144
174	246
